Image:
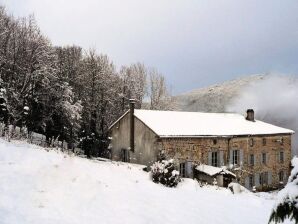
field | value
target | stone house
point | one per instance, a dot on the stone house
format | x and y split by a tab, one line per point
257	152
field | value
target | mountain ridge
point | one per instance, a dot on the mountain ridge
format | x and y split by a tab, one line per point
216	97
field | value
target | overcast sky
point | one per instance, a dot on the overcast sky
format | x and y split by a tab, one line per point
194	43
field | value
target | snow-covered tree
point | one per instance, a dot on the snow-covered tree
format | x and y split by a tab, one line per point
100	96
69	106
3	103
27	70
70	115
287	202
62	92
70	67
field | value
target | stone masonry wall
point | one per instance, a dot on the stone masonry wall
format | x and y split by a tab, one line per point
197	150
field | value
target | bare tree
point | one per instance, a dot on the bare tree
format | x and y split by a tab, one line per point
133	84
159	96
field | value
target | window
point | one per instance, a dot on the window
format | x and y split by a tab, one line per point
252	159
281	156
235	157
214	141
264	141
281	176
251	181
182	170
214	159
251	142
264	178
264	159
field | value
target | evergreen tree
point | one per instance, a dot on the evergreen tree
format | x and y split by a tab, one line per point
287	205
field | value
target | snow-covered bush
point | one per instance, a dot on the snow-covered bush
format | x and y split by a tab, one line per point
287	202
164	172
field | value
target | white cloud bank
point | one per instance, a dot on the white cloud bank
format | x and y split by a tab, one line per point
193	42
274	99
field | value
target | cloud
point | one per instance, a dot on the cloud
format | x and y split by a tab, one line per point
193	42
274	100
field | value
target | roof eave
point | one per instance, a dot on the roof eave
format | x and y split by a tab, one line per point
112	125
223	136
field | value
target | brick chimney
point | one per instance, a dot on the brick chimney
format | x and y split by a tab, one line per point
132	124
250	115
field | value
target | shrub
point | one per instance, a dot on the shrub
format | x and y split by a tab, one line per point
164	172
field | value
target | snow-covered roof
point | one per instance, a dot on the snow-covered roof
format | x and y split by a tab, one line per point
212	170
196	124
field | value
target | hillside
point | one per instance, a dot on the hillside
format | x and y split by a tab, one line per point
214	98
273	97
49	187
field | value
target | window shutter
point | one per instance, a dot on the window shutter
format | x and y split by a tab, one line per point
257	179
221	159
285	177
231	158
267	158
269	177
210	158
241	157
247	182
255	159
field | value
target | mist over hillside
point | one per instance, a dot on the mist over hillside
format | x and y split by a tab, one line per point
273	97
214	98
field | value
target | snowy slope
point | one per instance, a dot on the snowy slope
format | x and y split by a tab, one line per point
37	186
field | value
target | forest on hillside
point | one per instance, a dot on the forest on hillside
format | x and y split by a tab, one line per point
67	92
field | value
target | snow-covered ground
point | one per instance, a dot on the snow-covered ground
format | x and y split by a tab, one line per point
37	186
